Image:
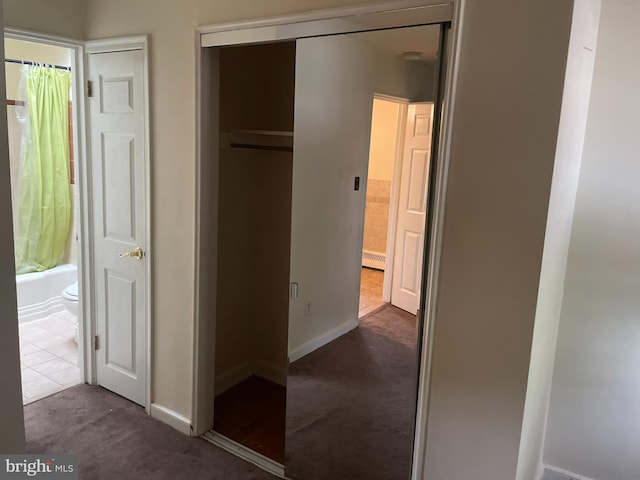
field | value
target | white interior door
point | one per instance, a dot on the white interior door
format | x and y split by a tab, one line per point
412	208
117	121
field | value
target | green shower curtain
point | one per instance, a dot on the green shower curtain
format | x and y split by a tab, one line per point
44	208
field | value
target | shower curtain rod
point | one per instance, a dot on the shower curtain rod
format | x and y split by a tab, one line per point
38	64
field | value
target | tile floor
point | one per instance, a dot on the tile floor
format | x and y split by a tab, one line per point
370	290
48	356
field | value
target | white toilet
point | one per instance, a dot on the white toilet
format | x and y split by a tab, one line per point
70	302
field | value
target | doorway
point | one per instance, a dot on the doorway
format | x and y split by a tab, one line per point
61	276
45	203
335	78
388	120
396	202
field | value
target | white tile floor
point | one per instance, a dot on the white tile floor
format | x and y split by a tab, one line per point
48	356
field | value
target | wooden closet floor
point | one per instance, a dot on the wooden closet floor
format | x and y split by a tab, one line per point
252	413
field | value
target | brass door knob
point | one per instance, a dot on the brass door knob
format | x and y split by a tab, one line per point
136	253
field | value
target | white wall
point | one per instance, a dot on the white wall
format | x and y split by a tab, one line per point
60	17
594	418
11	419
564	186
507	110
334	98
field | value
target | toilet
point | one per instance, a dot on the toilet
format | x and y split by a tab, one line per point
70	302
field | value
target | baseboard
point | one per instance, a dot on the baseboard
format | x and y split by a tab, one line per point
375	260
555	473
171	418
38	311
271	372
232	377
322	340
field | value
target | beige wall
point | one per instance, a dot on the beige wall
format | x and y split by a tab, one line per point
594	417
384	128
57	17
172	83
504	132
35	52
11	419
382	155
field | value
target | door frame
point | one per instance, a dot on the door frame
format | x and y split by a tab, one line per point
85	301
317	23
122	44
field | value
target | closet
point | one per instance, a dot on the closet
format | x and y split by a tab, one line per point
254	230
303	387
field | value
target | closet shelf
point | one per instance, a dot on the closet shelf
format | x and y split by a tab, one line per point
276	133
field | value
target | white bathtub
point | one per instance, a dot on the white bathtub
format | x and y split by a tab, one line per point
40	293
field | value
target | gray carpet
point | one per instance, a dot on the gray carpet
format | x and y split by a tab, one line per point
350	414
116	440
351	404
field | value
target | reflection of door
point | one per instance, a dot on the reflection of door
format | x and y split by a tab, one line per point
412	207
117	115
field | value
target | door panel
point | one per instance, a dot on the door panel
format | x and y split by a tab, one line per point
407	270
117	125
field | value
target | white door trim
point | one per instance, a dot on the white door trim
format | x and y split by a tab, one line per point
140	42
394	199
85	359
262	30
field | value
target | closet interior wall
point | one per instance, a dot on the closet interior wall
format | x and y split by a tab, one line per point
254	224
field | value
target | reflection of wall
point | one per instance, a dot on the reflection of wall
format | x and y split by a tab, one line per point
384	127
36	52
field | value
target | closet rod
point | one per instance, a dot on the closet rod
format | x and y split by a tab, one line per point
38	64
272	148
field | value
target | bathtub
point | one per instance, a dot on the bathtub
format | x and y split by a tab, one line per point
40	293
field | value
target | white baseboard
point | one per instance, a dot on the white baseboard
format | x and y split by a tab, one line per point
321	340
271	372
171	418
565	473
375	260
38	311
232	377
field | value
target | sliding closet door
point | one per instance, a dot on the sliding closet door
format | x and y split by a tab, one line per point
333	105
352	384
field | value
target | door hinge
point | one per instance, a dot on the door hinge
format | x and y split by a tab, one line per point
89	88
96	342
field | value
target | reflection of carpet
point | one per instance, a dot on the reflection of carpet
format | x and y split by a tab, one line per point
115	439
351	403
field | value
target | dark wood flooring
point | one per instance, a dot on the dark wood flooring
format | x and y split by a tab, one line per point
253	414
